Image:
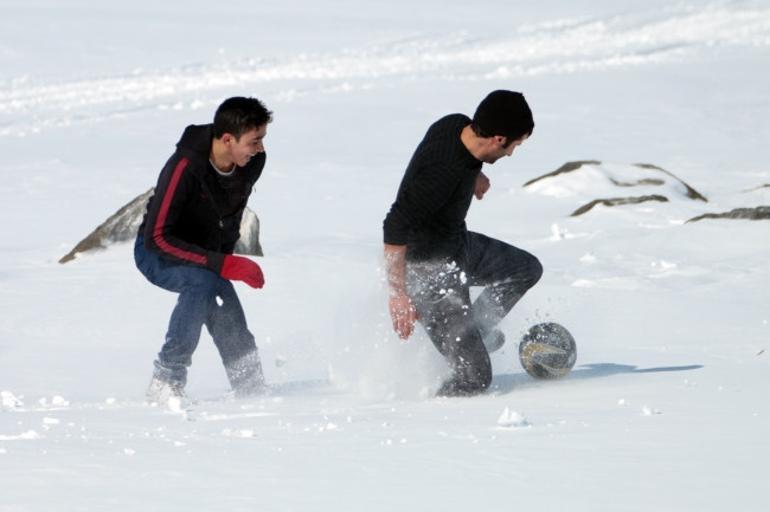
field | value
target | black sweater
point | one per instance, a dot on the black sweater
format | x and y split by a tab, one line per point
194	218
428	215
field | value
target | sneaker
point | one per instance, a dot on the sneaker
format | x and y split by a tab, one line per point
494	340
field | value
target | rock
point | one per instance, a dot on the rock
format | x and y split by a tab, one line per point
123	225
757	213
120	227
618	201
612	177
248	243
568	167
637	183
760	187
691	192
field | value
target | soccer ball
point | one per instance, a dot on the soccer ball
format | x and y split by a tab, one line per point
547	351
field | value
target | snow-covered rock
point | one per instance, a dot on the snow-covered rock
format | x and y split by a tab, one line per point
584	179
123	225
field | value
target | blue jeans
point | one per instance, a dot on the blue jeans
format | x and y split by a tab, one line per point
440	290
204	299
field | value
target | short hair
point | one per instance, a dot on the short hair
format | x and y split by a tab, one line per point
503	113
238	115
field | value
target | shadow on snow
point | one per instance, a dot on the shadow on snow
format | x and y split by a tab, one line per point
511	381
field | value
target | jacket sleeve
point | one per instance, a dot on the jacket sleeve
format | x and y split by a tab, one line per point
420	196
175	187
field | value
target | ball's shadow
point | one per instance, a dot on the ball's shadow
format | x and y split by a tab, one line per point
510	381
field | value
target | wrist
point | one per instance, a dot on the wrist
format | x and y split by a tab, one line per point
396	284
398	294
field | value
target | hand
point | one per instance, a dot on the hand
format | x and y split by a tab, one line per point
482	185
403	314
238	268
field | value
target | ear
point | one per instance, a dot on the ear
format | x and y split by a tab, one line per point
501	139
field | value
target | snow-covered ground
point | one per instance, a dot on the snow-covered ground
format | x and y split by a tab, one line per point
667	407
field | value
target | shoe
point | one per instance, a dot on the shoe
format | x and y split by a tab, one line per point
494	340
161	391
167	386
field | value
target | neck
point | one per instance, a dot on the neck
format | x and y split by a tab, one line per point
473	143
220	157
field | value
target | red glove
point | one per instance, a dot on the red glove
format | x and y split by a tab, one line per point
238	268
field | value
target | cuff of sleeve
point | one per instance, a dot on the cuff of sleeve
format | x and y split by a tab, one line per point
390	239
215	260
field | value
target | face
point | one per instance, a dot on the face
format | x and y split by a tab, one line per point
497	148
249	144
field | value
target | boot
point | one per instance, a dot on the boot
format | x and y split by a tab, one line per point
245	375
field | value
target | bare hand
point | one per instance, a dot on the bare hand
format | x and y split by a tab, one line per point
403	314
482	185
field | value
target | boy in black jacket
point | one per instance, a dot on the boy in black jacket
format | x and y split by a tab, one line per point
186	241
431	257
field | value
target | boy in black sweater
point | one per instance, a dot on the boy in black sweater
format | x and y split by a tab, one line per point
431	257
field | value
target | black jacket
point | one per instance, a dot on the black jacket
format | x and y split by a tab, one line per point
194	217
428	215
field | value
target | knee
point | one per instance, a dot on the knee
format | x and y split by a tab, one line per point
202	282
535	271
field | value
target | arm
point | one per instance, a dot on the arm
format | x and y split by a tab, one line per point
402	312
423	192
171	194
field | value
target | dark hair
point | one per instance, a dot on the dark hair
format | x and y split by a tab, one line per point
238	115
503	113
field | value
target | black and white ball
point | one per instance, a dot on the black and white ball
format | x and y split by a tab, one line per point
547	351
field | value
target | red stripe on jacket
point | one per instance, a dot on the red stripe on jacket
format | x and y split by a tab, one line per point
157	232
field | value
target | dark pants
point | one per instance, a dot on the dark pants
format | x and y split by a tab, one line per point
204	299
440	291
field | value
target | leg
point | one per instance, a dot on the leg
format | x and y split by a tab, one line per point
505	272
197	289
227	325
196	299
443	302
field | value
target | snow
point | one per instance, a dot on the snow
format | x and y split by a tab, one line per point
512	419
666	408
